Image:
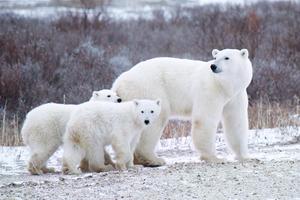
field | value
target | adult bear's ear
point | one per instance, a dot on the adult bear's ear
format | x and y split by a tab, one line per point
158	102
214	52
136	102
245	53
95	93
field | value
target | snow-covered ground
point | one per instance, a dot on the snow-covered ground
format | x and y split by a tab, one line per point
273	174
13	159
118	9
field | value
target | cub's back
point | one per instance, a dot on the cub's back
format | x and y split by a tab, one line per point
93	111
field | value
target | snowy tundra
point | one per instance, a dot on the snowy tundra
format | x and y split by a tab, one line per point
94	125
205	91
44	127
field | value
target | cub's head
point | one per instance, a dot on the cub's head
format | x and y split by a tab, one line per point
232	64
105	95
147	110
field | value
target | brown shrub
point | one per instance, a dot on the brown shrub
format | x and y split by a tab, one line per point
64	60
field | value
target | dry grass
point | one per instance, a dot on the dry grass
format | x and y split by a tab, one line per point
266	114
262	114
10	131
44	60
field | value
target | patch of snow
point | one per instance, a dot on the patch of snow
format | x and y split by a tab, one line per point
259	137
120	10
13	160
266	144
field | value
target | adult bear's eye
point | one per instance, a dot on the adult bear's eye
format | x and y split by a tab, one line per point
226	58
152	111
142	111
108	96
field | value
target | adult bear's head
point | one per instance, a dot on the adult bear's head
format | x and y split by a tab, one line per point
232	64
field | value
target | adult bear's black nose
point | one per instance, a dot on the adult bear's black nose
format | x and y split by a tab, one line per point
119	100
147	122
214	68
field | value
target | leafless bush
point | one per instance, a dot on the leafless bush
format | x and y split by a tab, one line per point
87	4
63	60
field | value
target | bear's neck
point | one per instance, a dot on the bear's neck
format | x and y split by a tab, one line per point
229	87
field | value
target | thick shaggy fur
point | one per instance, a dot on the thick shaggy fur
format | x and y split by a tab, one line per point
93	125
195	89
44	127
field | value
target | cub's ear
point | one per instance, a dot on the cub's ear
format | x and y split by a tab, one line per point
95	93
158	102
245	53
214	52
136	102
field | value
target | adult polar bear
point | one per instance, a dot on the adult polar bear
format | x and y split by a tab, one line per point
206	91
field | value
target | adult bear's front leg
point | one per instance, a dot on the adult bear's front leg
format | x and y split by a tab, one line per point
235	122
204	127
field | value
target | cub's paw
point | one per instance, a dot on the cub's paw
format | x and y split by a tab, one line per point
212	159
84	166
157	162
120	166
48	170
34	170
67	171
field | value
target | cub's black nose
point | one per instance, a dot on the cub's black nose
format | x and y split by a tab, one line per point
147	122
214	68
119	100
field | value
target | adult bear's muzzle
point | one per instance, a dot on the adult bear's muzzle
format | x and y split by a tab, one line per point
215	68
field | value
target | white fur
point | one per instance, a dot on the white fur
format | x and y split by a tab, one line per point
96	124
44	127
189	88
105	95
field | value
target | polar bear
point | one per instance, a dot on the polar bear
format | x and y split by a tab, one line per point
96	124
105	95
45	125
208	92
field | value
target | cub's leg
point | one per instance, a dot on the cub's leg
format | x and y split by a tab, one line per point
95	157
40	153
122	149
73	155
84	164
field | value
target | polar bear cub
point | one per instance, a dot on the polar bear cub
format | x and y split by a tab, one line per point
96	124
45	125
105	95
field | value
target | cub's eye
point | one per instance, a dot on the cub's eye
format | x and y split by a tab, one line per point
142	111
152	111
108	96
226	58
